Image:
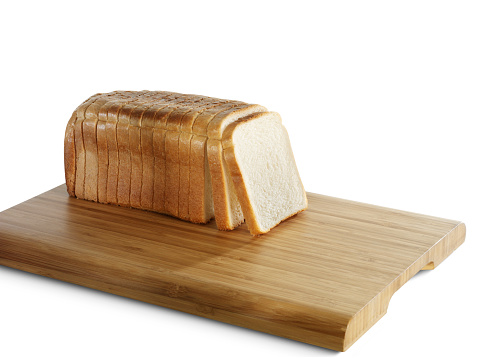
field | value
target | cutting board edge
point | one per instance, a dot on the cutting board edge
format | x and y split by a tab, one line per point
326	340
377	307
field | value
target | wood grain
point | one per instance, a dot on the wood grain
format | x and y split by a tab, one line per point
323	277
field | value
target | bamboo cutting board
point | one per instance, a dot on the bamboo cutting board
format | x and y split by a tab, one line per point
323	277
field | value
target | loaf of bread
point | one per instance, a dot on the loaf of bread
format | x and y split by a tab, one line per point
164	152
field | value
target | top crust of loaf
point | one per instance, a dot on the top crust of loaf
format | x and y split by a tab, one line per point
217	126
188	112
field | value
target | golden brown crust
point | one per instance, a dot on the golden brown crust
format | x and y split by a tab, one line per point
216	127
69	155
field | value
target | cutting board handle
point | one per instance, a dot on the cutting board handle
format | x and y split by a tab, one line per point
377	307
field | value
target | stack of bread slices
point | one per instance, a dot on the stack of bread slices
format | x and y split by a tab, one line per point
189	156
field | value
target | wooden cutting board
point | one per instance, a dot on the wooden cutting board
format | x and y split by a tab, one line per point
323	277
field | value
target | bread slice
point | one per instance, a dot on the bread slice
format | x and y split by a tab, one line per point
80	146
147	154
201	208
259	157
69	145
228	214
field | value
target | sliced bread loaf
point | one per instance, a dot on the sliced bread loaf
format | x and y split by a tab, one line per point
262	166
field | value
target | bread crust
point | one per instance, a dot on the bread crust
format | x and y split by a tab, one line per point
69	155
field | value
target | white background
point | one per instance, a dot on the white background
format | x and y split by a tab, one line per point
381	103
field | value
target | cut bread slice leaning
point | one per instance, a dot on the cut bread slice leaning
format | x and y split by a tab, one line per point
261	163
228	214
